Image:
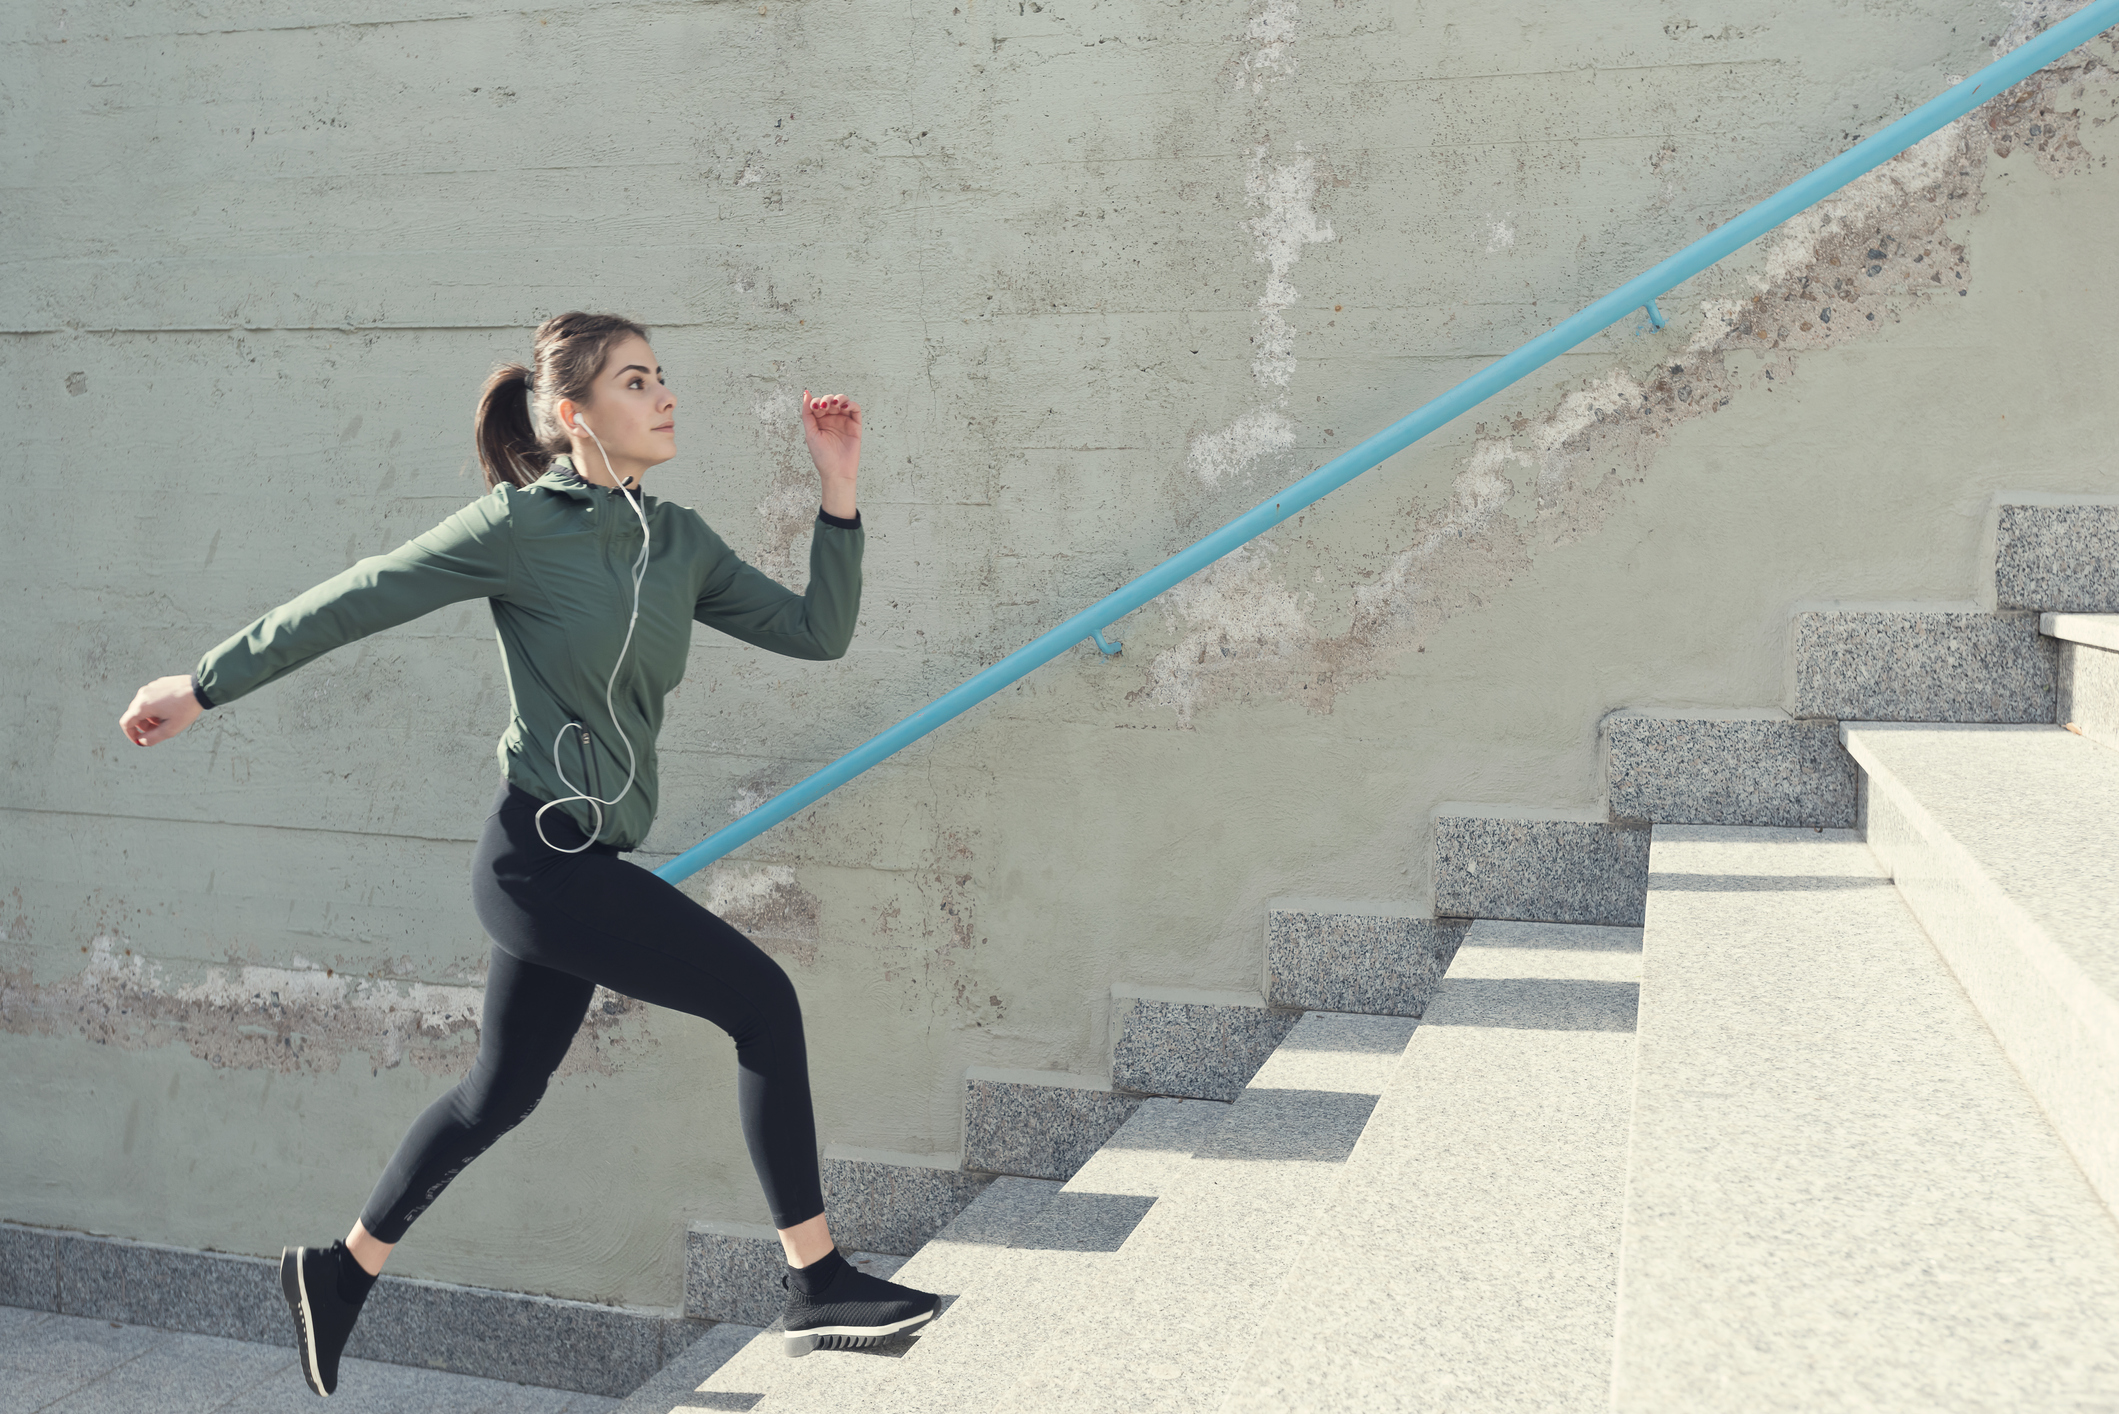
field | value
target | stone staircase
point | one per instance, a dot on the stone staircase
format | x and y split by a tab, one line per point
1790	1082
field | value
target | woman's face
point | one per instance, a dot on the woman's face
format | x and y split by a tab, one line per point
629	409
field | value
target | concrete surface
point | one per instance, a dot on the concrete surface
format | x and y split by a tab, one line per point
2005	844
2089	692
1102	277
54	1364
878	1202
1840	1195
1485	1198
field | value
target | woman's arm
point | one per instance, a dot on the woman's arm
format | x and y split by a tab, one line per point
744	602
467	556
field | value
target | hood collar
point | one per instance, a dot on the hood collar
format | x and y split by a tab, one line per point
562	479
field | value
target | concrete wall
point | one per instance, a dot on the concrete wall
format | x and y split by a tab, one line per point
1103	273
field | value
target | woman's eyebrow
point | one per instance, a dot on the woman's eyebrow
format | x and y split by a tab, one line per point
633	366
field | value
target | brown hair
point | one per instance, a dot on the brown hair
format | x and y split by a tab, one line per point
516	432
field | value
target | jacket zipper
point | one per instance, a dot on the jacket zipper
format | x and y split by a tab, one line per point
590	775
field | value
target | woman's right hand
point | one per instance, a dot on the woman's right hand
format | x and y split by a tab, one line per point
159	711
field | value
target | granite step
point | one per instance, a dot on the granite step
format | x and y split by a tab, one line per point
1038	1123
2089	673
1191	1044
1485	1197
1025	1245
1735	767
1368	959
1840	1194
2004	841
1167	1322
2056	553
761	1374
967	1360
1507	862
1916	664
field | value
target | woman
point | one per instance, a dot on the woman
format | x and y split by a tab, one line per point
593	587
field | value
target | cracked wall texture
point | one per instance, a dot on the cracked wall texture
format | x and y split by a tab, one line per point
1103	275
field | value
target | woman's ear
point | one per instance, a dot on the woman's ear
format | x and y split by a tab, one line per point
565	410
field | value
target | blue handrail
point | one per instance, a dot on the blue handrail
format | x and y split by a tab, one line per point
1637	293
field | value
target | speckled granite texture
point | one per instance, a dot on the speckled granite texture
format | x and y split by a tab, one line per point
507	1335
671	1388
732	1273
1540	871
1037	1131
1377	964
2058	557
1194	1050
1698	771
2089	692
877	1207
78	1365
1877	666
1840	1194
1490	1180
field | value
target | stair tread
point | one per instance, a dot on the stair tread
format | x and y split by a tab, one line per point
1168	1322
2034	808
1840	1194
1484	1198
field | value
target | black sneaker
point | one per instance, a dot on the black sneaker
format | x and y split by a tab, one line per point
853	1310
322	1318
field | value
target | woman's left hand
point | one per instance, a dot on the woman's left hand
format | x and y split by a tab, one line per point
831	425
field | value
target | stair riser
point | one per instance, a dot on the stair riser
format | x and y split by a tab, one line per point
2063	558
1540	871
1191	1050
1698	771
1861	666
2089	691
1366	964
1037	1131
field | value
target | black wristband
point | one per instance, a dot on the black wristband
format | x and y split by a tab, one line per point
840	521
199	694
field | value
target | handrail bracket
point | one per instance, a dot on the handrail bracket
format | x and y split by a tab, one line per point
1109	650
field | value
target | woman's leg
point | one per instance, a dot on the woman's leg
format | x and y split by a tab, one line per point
530	1016
606	921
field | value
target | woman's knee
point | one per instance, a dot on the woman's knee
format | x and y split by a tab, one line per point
495	1101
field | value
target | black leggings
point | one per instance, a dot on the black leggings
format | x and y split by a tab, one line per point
562	924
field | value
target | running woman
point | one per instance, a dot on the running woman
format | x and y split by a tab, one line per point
593	587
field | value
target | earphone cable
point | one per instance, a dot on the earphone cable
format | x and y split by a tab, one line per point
640	564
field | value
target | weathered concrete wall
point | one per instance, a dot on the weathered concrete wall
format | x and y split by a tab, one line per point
1103	275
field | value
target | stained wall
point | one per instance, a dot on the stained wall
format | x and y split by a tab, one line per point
1103	274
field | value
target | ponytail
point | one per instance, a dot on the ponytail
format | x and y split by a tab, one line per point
507	443
515	430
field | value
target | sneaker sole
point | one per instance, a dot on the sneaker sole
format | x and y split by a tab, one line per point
800	1343
297	1294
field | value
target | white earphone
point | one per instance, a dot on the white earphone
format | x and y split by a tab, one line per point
632	763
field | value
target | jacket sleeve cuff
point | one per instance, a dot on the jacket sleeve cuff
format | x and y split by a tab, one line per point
199	693
840	521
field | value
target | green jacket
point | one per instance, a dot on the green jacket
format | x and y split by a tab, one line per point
554	560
